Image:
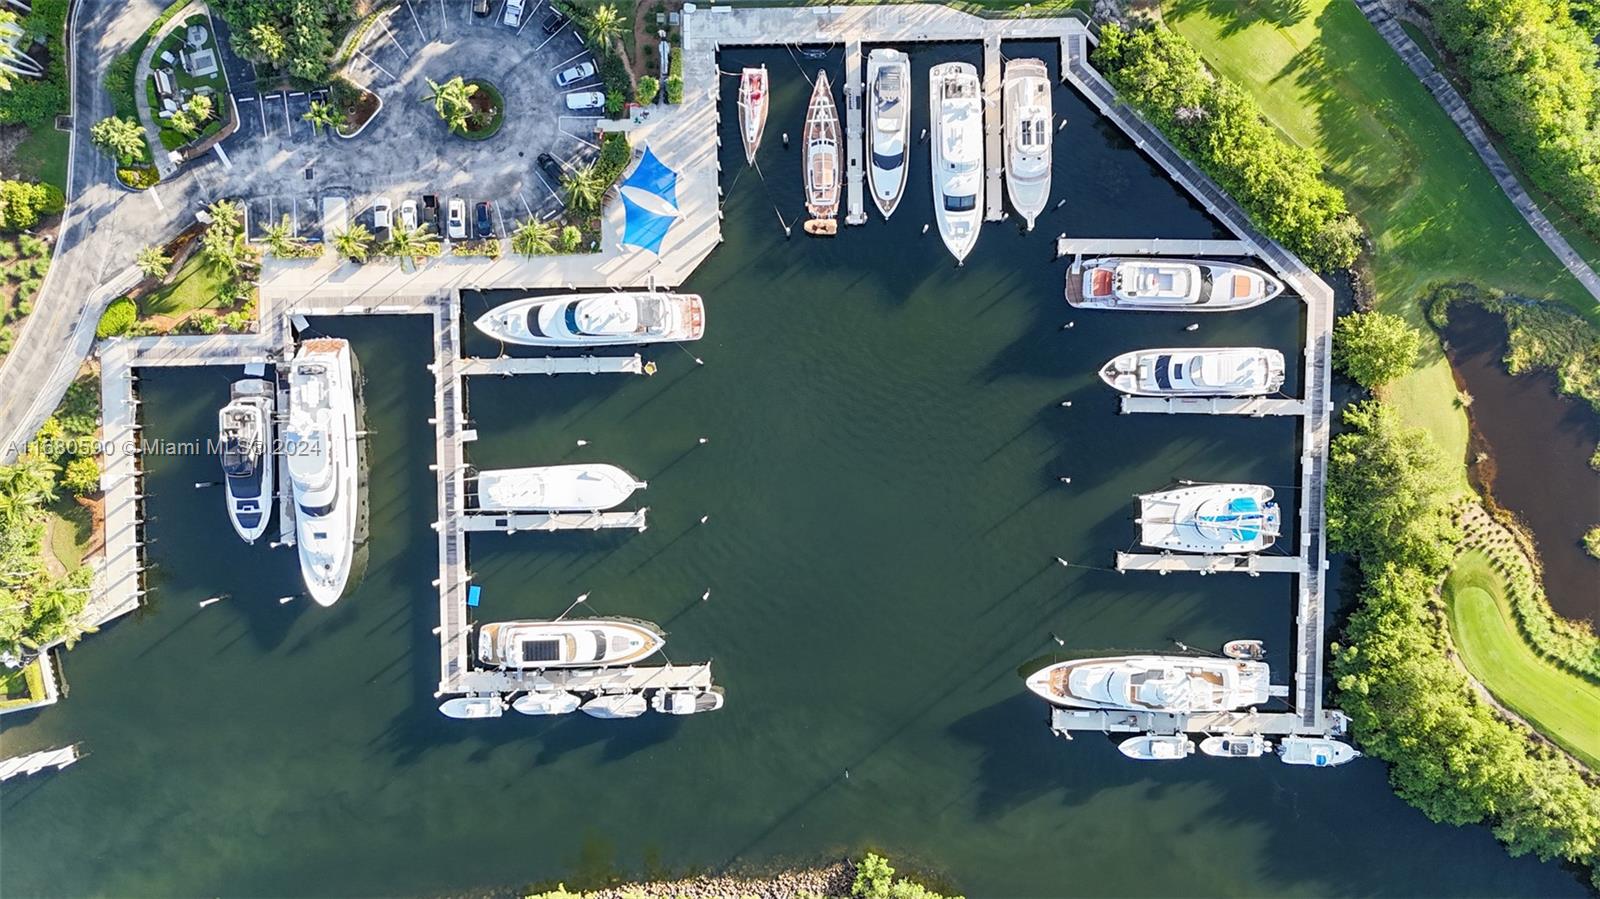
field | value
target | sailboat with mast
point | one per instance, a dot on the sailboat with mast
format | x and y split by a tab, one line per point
822	160
752	109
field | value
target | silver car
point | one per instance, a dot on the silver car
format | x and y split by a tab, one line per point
456	224
571	75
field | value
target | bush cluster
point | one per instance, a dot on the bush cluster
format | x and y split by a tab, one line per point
34	101
292	36
117	319
675	76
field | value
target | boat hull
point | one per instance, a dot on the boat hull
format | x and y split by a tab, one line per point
888	140
1315	752
1259	372
1209	519
1236	747
1026	93
1152	748
822	163
249	500
470	707
687	702
623	705
1091	284
509	322
753	87
1090	683
555	488
325	538
572	643
956	121
546	703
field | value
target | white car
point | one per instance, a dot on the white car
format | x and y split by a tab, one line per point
380	213
455	226
586	100
513	15
408	215
573	74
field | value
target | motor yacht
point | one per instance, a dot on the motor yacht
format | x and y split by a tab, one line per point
956	104
1167	285
1236	746
1318	752
616	705
752	109
571	643
1154	748
546	702
822	160
597	319
1029	128
245	444
555	488
1153	683
1209	518
320	444
1180	371
469	707
888	124
688	701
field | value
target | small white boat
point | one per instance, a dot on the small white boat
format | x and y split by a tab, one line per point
1177	371
1209	518
555	488
596	319
1236	746
571	643
1175	684
752	109
956	106
546	702
320	443
1152	748
473	707
1254	650
245	444
1318	752
687	702
822	160
616	705
888	125
1153	283
1029	113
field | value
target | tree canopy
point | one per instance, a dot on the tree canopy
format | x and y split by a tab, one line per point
1374	348
296	36
1384	499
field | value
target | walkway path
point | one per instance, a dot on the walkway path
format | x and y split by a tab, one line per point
1454	105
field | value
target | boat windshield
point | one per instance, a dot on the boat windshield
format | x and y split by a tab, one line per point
964	203
886	162
1243	519
238	459
1163	376
318	511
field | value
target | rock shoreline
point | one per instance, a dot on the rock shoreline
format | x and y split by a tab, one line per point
828	880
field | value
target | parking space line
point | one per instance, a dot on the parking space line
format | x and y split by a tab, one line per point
263	107
294	205
561	124
289	126
528	16
156	199
415	21
553	36
393	39
524	198
500	217
579	55
363	55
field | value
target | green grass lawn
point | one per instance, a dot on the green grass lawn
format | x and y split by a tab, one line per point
43	155
1561	705
70	527
196	286
21	686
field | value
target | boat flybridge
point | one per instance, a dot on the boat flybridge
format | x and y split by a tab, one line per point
753	103
1154	683
320	443
955	100
1197	371
570	643
597	319
822	160
1029	128
588	487
1158	284
888	124
1209	518
246	446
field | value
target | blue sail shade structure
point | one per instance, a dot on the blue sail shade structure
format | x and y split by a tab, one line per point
650	201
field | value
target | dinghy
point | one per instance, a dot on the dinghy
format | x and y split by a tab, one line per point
1236	746
822	160
1153	748
616	705
473	707
1254	650
544	702
1318	752
687	702
752	109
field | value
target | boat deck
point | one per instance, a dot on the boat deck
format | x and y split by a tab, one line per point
1253	406
854	136
1150	246
512	522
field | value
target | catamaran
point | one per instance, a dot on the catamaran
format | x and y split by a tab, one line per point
822	160
956	105
1318	752
1176	684
1029	127
555	488
598	319
888	124
245	439
1157	748
572	643
752	109
1209	518
320	443
1167	285
1178	371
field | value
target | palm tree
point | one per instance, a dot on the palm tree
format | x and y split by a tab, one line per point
452	100
605	24
324	114
153	261
124	138
199	106
354	242
534	238
226	213
409	246
583	188
280	237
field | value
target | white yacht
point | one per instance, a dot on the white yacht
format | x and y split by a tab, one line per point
1176	684
1209	518
823	160
1167	285
320	443
245	443
1154	748
687	701
1198	371
1236	746
752	109
956	102
1029	128
1318	752
888	124
572	643
555	488
597	319
473	707
616	705
546	702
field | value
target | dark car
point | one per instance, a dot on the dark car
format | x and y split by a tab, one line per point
554	22
552	169
483	222
480	8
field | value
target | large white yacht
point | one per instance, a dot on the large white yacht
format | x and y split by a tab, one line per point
1196	371
320	443
1029	127
956	102
888	123
245	443
597	319
573	643
1152	683
555	488
1167	285
1209	518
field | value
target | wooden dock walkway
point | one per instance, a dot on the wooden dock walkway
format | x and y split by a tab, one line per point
994	198
1149	246
553	365
855	134
512	522
34	762
588	680
1241	563
1253	406
449	421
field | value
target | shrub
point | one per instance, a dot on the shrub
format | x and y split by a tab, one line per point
649	89
615	76
1374	348
22	203
139	177
571	239
674	90
1591	541
82	476
204	322
117	319
34	101
238	321
615	102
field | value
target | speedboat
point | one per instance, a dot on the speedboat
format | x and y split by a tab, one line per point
888	124
1176	285
473	707
1236	746
597	319
1175	684
1209	518
1028	110
546	702
1176	371
616	705
320	443
555	488
244	438
752	109
1254	650
957	115
573	643
822	159
687	702
1153	748
1318	752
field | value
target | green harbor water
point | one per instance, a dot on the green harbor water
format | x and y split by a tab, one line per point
885	437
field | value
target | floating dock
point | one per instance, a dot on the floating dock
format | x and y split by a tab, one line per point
1253	406
854	136
34	762
1238	563
512	522
994	199
1149	246
587	680
1276	724
554	365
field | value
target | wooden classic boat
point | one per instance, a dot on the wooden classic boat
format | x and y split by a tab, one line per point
752	110
822	160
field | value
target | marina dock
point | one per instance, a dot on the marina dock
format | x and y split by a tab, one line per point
1253	406
1241	563
854	136
1149	246
554	365
994	199
588	680
512	522
1273	724
34	762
